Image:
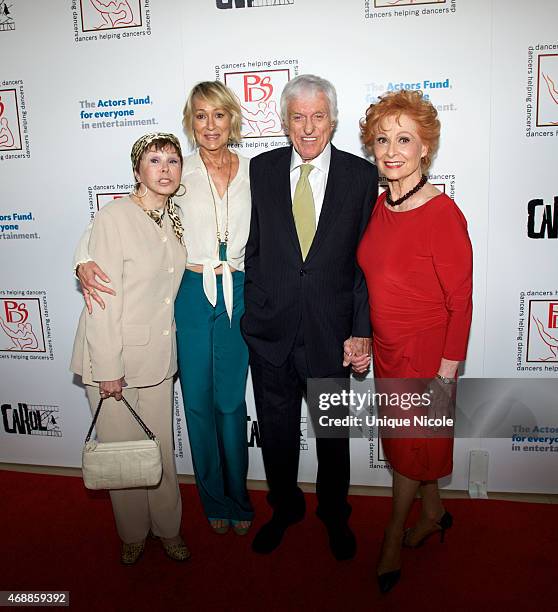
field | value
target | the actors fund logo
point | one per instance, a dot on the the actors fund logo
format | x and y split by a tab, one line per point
259	93
21	325
31	419
542	219
10	130
542	341
547	90
229	4
6	17
390	3
109	14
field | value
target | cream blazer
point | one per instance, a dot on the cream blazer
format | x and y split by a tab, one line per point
134	336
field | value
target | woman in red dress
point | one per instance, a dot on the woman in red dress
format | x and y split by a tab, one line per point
417	259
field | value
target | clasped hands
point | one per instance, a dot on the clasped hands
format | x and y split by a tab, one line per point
356	353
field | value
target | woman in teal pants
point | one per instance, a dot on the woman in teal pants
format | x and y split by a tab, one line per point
213	361
212	355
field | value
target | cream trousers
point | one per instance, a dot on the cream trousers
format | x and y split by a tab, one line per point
159	508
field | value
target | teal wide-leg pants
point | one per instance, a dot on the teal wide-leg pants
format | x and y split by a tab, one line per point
213	366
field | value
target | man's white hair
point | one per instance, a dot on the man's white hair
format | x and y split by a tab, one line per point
305	85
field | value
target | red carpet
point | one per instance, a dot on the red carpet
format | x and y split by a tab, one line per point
56	535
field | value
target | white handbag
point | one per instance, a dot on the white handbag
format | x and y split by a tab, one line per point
121	465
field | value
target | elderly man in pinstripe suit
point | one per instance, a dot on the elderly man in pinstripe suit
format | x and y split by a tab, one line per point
306	301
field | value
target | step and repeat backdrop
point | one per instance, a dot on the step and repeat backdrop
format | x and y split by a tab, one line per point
80	80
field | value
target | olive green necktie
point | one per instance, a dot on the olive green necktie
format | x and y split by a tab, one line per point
303	210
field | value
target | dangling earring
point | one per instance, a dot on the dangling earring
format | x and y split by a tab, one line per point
422	162
179	195
135	191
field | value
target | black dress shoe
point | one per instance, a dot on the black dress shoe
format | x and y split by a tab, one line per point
387	581
342	541
269	536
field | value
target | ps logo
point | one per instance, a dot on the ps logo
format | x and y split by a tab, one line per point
15	313
542	341
256	88
258	92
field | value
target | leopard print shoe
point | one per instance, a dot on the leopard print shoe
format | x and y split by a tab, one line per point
177	551
131	552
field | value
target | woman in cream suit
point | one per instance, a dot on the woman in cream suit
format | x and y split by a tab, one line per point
129	347
212	355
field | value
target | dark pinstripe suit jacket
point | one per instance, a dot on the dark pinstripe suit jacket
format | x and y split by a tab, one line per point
326	293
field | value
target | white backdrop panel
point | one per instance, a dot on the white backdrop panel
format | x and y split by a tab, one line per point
78	85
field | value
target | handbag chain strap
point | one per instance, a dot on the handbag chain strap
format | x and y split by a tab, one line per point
148	431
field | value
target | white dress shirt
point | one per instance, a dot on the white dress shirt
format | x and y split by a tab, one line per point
317	178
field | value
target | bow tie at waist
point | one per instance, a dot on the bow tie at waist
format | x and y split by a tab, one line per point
210	283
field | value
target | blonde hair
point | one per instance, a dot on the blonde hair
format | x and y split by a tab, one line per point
219	95
413	105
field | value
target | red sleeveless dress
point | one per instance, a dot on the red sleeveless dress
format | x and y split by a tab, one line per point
418	269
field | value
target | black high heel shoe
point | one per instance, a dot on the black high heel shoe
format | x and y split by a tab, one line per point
387	581
444	524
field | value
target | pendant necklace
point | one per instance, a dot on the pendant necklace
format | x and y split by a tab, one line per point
416	188
222	241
